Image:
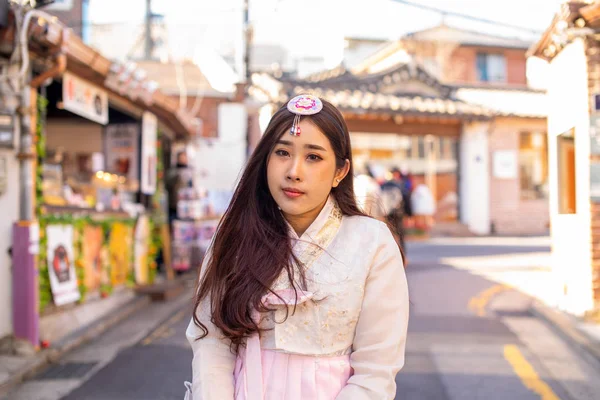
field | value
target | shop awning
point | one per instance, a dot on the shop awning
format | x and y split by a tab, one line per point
51	37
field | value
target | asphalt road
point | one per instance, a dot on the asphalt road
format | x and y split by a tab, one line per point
470	337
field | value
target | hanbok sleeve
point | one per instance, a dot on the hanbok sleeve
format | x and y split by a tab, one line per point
380	338
213	363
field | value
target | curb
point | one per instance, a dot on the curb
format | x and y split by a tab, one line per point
566	326
70	342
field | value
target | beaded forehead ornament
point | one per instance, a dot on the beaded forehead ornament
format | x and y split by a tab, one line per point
305	104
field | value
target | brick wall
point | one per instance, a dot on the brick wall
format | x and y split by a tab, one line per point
509	213
516	64
208	112
593	59
462	67
595	237
71	18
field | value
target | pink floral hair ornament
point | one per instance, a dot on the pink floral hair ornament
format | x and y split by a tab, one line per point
304	104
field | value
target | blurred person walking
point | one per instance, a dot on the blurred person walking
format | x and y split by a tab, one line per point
394	202
289	298
177	178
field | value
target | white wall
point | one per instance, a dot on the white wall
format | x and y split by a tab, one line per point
9	204
474	186
219	161
571	245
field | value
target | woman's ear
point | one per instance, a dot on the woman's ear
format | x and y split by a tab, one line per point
341	173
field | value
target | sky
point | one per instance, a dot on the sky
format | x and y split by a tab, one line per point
317	27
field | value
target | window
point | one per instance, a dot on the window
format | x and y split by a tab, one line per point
491	67
567	192
533	165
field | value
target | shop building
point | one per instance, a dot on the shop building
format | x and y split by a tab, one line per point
88	203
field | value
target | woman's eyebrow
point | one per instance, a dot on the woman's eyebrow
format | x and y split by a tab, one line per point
308	146
315	147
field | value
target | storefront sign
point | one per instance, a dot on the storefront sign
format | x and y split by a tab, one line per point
85	99
505	164
61	264
148	178
122	150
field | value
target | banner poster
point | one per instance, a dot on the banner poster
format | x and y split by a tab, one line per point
149	162
92	257
141	237
119	248
181	257
61	264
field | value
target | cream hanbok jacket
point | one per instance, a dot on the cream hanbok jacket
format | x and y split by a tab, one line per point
358	305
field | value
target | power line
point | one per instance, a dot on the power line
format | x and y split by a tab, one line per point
468	17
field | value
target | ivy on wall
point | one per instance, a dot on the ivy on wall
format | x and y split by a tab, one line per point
45	292
158	217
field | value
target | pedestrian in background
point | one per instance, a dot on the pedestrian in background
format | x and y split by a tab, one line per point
177	178
394	204
301	296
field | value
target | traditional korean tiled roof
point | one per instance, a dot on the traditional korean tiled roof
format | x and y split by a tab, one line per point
362	102
327	75
342	79
406	89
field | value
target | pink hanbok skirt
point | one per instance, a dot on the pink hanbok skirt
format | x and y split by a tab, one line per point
292	377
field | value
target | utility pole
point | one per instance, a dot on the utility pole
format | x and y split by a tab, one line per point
247	74
248	44
148	41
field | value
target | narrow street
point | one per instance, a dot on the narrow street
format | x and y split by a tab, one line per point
471	337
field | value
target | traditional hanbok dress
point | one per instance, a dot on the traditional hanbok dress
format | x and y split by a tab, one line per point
346	338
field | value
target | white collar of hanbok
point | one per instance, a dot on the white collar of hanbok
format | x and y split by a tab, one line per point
330	213
313	242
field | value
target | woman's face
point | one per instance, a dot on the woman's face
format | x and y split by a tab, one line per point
301	170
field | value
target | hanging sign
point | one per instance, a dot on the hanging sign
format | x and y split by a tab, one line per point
85	99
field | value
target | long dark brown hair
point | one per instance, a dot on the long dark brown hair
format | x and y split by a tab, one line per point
251	247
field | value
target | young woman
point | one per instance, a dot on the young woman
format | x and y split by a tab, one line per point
301	296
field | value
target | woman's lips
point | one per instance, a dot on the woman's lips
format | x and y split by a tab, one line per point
292	193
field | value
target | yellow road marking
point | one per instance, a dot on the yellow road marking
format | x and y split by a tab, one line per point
478	303
527	374
164	330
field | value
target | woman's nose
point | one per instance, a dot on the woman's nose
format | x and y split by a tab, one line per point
294	173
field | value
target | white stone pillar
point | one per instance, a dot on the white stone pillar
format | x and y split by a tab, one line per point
474	187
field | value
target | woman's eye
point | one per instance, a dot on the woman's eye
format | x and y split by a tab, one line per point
314	157
282	153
